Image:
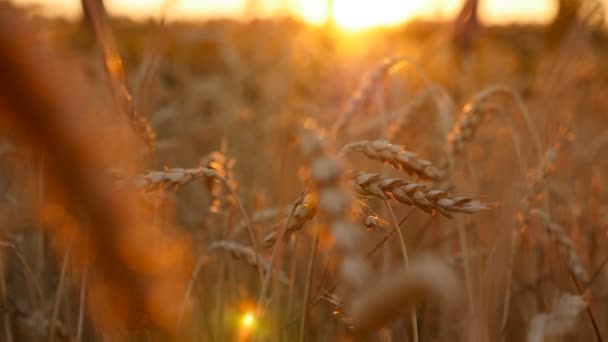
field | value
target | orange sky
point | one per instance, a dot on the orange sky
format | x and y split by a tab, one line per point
349	13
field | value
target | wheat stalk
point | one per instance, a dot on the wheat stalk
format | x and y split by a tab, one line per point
476	110
97	19
72	135
302	211
404	114
413	194
565	244
223	165
362	96
464	129
535	189
395	155
335	206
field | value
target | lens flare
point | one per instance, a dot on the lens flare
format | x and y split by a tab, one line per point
248	320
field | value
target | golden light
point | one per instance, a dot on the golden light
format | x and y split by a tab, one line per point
363	14
248	320
314	12
348	14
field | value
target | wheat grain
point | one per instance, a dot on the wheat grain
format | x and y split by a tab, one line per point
173	178
464	129
223	165
395	155
413	194
302	211
476	110
305	210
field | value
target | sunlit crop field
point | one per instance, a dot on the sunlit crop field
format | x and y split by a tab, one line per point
274	180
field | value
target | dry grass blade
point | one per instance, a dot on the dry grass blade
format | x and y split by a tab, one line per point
395	155
559	321
413	194
425	279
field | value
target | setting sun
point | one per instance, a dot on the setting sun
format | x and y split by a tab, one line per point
354	15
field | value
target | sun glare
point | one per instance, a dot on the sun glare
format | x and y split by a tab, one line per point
248	320
363	14
356	15
348	14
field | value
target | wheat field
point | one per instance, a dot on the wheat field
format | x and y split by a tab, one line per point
269	180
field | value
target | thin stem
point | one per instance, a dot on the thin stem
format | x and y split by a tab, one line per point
339	282
596	330
197	268
311	263
462	237
59	293
406	262
277	247
250	230
596	273
27	270
83	290
6	316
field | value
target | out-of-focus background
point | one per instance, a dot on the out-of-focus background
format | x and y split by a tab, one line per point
152	157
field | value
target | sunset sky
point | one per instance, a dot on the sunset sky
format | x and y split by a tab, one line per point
349	13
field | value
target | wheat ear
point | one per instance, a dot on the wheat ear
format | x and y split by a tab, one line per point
425	279
173	178
413	194
396	156
97	19
559	321
565	244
